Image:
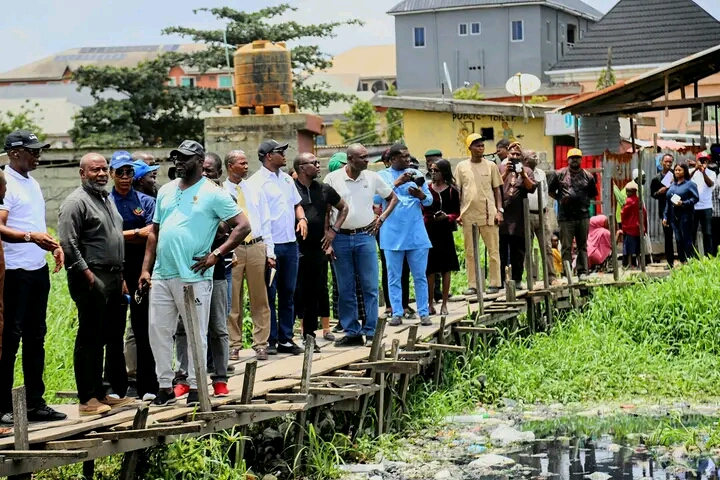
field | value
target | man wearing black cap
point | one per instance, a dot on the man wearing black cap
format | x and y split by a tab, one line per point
187	215
23	229
286	218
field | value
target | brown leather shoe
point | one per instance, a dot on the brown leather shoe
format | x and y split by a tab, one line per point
234	354
113	402
261	354
92	407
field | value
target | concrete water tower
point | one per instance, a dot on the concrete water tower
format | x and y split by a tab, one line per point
264	106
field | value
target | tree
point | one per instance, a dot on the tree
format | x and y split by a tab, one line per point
607	75
360	125
469	93
243	28
394	119
152	113
24	119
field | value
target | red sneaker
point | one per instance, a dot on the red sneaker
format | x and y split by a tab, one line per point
221	389
181	390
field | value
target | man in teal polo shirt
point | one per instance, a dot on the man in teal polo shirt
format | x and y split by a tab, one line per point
187	215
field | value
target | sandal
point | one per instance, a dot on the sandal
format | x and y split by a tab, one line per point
444	311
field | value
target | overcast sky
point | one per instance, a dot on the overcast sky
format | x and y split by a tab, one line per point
56	25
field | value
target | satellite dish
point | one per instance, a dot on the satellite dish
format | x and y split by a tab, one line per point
522	84
447	77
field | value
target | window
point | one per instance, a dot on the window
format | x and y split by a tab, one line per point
225	81
320	140
172	82
548	31
187	81
582	34
517	33
709	114
571	31
364	87
419	37
475	28
462	29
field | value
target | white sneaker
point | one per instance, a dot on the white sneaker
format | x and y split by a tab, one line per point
148	397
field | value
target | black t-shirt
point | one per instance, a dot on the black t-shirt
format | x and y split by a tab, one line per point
221	265
315	201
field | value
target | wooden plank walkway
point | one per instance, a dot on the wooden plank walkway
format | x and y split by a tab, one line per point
280	377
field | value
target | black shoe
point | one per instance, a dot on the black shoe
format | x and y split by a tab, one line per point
271	350
45	414
164	397
132	391
356	341
492	290
291	347
7	419
231	368
193	398
395	321
338	328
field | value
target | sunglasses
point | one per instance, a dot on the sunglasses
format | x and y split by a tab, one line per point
124	172
35	152
314	162
434	170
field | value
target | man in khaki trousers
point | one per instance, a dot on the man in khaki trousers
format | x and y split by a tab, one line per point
254	256
478	180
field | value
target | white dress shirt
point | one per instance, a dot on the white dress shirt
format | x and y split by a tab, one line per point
257	212
704	191
533	197
358	194
25	205
282	196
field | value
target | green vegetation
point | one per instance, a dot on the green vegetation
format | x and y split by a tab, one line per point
469	93
25	118
361	124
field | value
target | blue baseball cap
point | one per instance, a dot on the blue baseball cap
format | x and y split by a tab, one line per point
121	158
141	169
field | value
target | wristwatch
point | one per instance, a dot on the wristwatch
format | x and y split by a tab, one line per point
28	237
137	232
303	218
334	229
217	253
501	210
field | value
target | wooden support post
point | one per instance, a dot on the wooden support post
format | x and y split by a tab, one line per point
613	245
568	270
479	275
130	459
20	425
380	403
304	389
374	354
405	378
509	285
640	179
528	244
543	239
88	469
392	388
246	397
667	97
549	312
192	329
439	353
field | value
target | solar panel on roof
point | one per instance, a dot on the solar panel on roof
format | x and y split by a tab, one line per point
123	49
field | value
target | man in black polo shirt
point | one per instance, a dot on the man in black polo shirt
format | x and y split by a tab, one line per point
316	198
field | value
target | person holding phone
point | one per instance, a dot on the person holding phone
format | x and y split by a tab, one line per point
403	235
704	179
682	196
440	222
518	182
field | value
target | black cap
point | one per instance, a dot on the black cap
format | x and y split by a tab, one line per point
189	147
270	146
23	138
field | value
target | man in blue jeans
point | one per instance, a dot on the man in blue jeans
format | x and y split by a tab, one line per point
285	210
353	244
404	235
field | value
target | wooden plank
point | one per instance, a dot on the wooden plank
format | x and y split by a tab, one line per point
193	427
441	347
83	443
474	329
414	355
214	415
20	454
192	329
343	380
290	397
265	407
389	366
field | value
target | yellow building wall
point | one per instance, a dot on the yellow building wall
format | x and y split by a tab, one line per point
447	132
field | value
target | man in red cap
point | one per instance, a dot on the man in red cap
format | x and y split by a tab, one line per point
704	178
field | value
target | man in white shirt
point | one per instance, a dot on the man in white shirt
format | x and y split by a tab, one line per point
253	256
285	213
531	161
27	279
354	243
704	178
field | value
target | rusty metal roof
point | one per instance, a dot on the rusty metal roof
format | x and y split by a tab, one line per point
639	94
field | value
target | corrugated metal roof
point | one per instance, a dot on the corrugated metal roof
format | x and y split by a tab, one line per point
574	6
644	32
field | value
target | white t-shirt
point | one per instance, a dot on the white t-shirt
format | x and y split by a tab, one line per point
358	194
704	191
25	205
